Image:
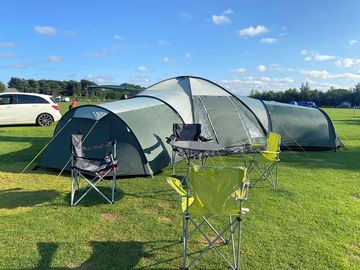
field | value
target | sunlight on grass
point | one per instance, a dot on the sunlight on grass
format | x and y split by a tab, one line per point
311	221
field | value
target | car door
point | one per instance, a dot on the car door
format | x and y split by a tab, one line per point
24	110
7	110
28	108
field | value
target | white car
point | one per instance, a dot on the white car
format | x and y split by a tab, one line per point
28	108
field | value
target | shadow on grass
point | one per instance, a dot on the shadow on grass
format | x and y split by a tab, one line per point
15	161
343	159
105	255
13	198
348	121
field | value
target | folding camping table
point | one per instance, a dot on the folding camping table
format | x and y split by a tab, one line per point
197	149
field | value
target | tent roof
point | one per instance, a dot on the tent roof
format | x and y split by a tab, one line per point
178	92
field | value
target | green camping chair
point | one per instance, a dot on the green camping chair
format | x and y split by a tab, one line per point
212	191
265	163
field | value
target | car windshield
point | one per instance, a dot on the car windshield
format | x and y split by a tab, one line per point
53	100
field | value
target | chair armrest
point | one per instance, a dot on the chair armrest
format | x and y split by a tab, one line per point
269	152
100	146
170	139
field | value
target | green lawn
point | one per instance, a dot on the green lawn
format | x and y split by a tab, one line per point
311	221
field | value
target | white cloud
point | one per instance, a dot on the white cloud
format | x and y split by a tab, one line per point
142	69
318	74
352	42
54	59
45	30
7	55
283	80
323	74
261	68
7	45
137	79
316	56
245	85
118	37
253	31
268	40
228	11
277	67
265	79
238	70
187	55
168	60
347	76
323	57
19	65
348	62
163	42
223	18
100	79
101	53
220	19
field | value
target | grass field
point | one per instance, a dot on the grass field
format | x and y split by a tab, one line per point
311	221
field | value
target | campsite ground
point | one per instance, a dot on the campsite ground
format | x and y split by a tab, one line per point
311	221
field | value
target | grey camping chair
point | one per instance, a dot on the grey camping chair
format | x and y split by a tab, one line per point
184	132
83	166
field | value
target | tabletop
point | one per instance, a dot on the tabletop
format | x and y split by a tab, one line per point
197	146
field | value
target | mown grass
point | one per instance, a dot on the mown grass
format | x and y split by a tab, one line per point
311	221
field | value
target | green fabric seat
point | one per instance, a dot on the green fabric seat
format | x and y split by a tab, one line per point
213	191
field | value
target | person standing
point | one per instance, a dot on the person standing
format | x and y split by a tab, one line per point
73	104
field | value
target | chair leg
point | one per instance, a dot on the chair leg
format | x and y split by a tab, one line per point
185	222
72	189
232	240
113	188
236	264
173	162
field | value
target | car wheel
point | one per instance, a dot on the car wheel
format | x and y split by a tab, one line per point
44	119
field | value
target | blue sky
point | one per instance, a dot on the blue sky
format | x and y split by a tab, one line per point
242	45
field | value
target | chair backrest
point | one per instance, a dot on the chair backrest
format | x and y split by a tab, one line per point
273	141
217	190
76	145
187	132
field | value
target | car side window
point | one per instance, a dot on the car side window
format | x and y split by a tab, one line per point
28	99
6	99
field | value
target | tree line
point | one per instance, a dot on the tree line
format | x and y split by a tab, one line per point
70	88
330	98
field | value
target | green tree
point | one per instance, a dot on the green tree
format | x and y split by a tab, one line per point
305	91
2	87
355	95
34	86
85	86
19	84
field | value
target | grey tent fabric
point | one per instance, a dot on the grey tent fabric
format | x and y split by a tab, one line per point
301	128
141	124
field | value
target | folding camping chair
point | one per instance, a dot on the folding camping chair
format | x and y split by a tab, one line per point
83	166
266	162
213	191
184	132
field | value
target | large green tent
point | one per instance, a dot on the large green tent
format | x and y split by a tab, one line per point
141	124
301	128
